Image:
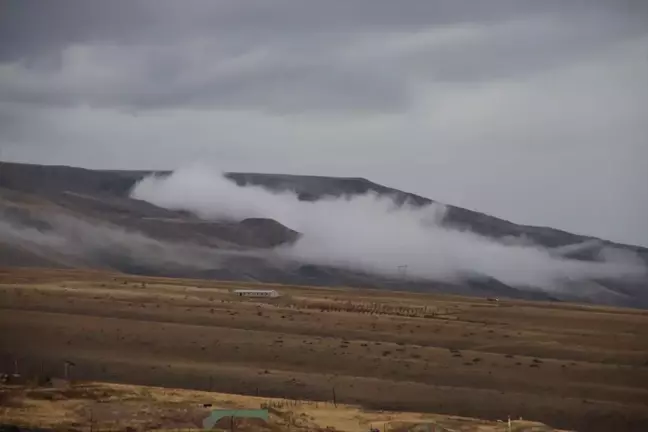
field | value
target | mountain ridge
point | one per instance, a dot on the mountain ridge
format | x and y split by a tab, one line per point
335	187
33	196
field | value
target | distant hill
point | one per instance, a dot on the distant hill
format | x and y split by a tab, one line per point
43	207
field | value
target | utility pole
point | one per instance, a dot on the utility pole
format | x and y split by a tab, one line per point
91	419
402	270
66	370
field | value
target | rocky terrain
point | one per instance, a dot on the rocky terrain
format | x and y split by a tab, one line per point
55	216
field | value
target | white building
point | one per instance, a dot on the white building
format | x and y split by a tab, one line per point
256	293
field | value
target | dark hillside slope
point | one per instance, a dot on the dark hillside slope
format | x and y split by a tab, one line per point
41	180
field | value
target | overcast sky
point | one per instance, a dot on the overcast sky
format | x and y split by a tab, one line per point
535	111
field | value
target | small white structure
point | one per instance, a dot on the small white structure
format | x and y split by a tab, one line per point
256	293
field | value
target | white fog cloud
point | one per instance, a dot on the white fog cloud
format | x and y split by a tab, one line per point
78	242
370	233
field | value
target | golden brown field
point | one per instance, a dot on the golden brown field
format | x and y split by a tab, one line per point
103	406
570	366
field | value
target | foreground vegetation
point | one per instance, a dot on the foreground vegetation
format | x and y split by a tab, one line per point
103	406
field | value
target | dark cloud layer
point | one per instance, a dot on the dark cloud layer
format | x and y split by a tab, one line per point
288	55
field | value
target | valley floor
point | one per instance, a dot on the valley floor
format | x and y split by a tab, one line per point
569	366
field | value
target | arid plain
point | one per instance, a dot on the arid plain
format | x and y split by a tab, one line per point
569	366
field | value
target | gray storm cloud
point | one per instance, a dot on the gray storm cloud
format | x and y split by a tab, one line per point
371	233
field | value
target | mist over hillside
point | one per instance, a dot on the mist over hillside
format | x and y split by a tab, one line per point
199	222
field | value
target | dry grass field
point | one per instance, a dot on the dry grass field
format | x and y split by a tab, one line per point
103	406
570	366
